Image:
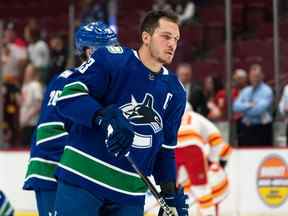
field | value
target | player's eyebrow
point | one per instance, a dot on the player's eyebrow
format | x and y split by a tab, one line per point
170	34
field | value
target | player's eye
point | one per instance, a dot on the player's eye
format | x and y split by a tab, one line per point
166	37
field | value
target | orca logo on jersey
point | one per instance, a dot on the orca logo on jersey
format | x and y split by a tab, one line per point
143	113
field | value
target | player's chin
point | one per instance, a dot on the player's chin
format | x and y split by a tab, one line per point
167	60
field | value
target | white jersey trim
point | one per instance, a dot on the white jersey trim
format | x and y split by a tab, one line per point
169	147
50	123
40	177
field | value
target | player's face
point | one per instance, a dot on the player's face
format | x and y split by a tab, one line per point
163	42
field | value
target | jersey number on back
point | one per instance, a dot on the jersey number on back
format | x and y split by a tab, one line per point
86	65
53	97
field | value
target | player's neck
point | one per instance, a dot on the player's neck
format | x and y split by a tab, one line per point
149	62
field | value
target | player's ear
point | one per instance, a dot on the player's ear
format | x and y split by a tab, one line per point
146	37
88	52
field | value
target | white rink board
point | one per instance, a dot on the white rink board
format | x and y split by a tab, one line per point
242	168
13	166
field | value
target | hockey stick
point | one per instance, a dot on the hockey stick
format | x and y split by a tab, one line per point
151	187
147	182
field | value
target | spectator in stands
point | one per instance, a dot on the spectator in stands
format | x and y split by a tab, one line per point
30	104
255	104
13	56
194	91
10	94
38	51
212	85
240	81
10	69
283	108
58	56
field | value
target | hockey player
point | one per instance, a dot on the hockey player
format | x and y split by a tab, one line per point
5	207
140	102
51	134
195	134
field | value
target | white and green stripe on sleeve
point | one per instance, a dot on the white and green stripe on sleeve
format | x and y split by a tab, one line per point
50	131
41	169
74	89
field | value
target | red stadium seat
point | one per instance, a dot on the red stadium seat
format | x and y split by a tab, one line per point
214	35
237	14
212	15
192	35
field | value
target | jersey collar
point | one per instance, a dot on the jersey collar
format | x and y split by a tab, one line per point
165	71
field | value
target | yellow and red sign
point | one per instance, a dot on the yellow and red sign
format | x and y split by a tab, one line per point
272	181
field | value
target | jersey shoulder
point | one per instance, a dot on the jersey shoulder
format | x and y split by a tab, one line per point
109	58
112	53
61	79
174	84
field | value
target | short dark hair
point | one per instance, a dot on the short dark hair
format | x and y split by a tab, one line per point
151	21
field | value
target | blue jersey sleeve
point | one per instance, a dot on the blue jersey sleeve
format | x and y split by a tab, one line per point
173	121
165	166
165	159
79	100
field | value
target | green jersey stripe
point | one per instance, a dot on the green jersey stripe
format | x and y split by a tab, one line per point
71	96
77	83
74	89
42	169
102	173
49	131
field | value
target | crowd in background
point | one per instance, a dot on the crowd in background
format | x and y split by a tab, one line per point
253	103
28	63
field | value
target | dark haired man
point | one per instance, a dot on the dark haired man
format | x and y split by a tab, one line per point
127	103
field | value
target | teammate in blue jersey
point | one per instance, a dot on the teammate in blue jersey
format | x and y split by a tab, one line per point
127	103
5	207
51	134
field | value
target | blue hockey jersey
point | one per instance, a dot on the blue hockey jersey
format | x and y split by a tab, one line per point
5	206
48	139
153	104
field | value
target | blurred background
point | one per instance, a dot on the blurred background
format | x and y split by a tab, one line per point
218	46
225	46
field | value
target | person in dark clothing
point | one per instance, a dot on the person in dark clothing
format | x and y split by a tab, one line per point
58	56
194	90
10	93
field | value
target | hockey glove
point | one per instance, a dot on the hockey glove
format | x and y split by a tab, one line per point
119	132
177	203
